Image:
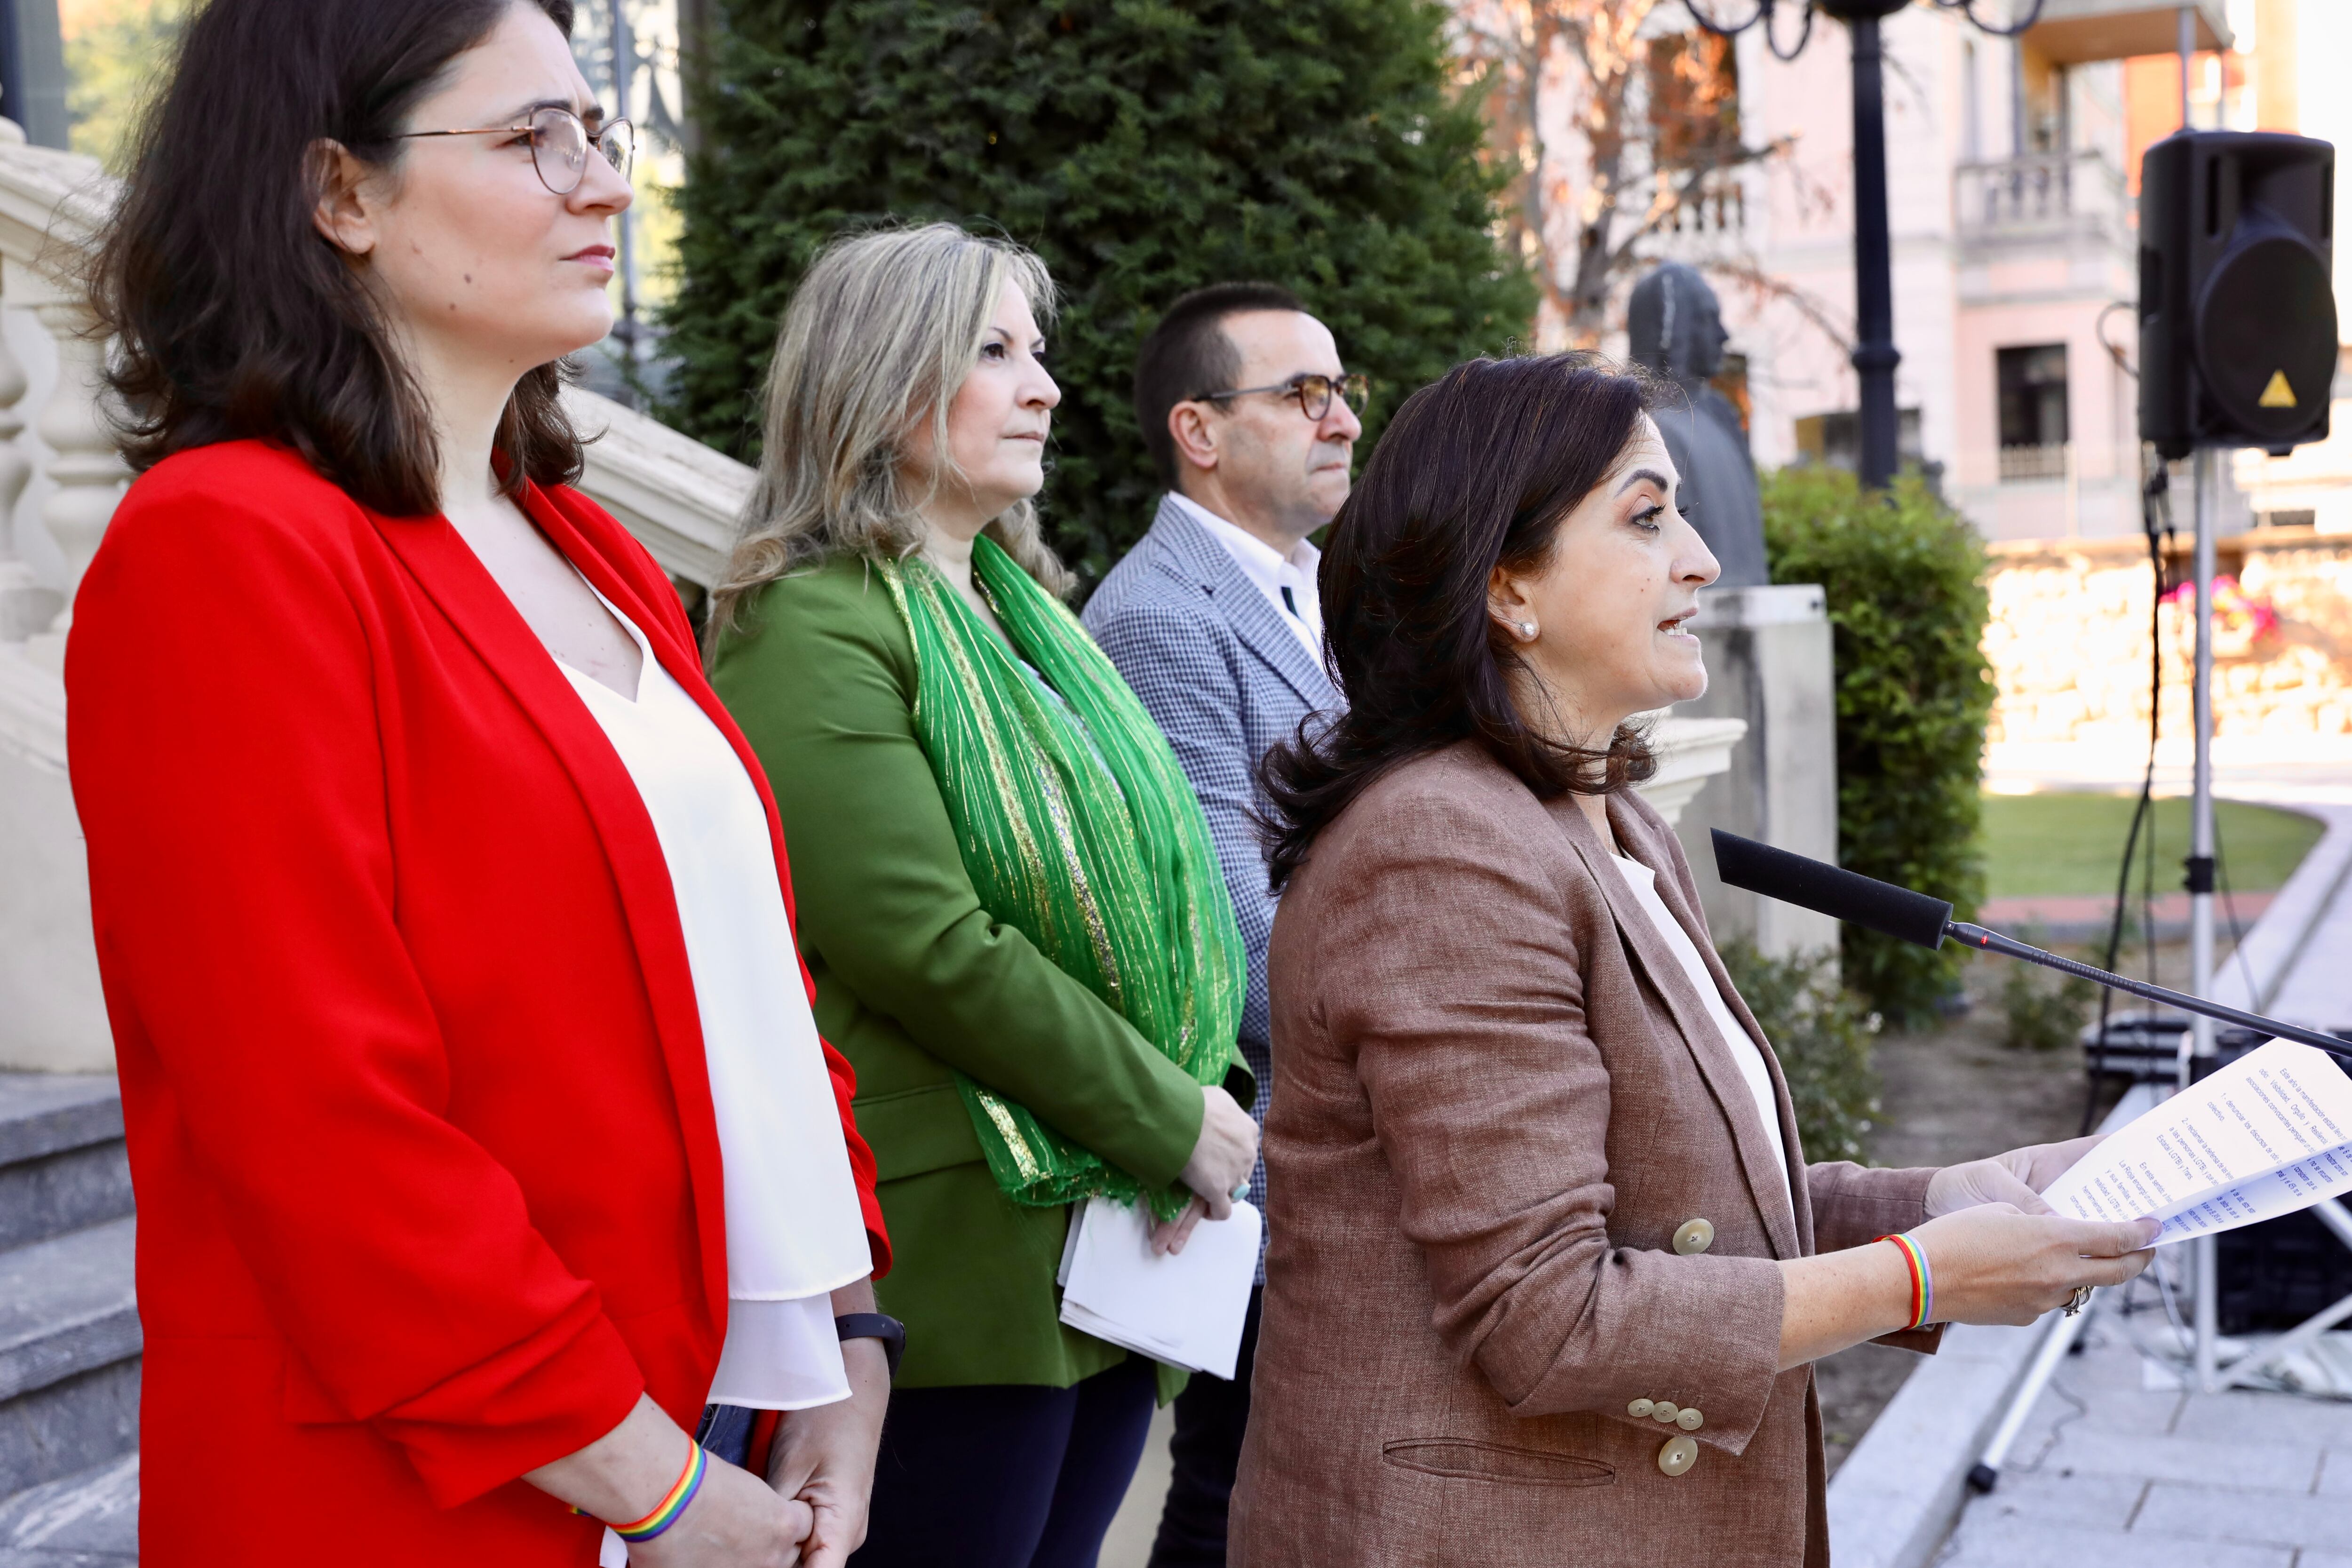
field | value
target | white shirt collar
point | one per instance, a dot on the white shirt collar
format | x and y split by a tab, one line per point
1269	572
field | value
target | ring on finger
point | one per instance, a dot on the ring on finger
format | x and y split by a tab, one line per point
2074	1303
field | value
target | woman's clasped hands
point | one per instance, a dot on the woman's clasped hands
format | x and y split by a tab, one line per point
810	1511
823	1457
1222	1161
736	1519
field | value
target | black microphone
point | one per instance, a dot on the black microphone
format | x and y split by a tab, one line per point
1911	917
1830	890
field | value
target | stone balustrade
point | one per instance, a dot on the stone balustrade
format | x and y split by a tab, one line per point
680	497
2041	197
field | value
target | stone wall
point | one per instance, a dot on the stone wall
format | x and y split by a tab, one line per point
2069	640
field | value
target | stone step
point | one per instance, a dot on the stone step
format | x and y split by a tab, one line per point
62	1165
85	1520
69	1336
70	1344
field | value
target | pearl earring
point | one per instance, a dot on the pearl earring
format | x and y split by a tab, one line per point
1528	631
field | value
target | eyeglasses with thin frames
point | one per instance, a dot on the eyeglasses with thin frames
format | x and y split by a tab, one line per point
560	141
1314	392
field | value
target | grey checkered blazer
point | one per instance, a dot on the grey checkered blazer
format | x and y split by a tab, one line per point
1225	680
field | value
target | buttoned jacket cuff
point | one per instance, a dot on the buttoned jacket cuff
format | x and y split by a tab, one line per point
1855	1205
1926	1341
1699	1332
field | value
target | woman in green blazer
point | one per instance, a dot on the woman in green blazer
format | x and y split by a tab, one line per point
1019	934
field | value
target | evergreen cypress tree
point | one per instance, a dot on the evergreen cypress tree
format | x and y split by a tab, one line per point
1141	147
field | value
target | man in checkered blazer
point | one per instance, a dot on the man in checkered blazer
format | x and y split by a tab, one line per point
1213	620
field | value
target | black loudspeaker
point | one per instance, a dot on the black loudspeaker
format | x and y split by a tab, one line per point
2275	1274
2237	316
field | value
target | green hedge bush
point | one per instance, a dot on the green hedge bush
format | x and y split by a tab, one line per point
2041	1011
1904	579
1823	1034
1141	148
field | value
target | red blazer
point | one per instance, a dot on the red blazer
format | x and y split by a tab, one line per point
428	1182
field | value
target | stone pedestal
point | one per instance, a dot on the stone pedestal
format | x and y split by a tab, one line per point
1689	752
1768	662
52	1013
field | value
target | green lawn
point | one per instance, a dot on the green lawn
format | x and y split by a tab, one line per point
2052	844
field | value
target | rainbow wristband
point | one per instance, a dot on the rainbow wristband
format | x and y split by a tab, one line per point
1922	1283
672	1505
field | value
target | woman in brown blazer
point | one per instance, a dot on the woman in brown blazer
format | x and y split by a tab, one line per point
1547	1267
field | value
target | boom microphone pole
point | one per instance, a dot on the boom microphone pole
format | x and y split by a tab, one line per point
1916	917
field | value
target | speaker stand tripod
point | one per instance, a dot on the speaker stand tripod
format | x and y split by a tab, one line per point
2061	1335
2211	1377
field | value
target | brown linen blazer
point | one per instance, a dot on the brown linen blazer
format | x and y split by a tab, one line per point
1496	1097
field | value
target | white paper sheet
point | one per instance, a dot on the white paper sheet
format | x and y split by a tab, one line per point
1186	1309
2267	1135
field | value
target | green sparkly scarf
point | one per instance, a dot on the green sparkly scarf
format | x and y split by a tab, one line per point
1079	831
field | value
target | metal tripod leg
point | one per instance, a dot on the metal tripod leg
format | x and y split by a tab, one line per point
2061	1335
2055	1342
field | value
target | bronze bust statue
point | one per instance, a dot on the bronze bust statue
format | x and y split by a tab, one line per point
1676	331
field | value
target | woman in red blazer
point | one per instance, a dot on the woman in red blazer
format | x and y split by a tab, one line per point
434	1228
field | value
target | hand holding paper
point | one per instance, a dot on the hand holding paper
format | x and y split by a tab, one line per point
1185	1309
2267	1135
2017	1177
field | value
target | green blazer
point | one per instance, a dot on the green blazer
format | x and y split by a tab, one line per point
915	979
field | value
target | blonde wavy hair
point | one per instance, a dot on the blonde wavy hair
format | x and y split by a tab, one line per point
880	335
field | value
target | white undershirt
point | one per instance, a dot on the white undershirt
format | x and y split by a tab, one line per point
1273	575
1642	882
794	1230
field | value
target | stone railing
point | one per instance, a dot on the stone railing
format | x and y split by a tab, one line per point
1718	206
2043	197
60	479
2024	462
680	497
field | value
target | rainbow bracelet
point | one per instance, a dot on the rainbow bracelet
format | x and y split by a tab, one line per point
1922	1283
672	1505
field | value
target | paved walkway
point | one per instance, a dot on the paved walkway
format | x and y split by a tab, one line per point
2111	1471
2119	1463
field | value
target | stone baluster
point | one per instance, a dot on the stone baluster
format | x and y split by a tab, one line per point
86	474
25	606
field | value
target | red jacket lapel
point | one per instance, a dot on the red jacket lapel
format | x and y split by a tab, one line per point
595	544
450	572
602	548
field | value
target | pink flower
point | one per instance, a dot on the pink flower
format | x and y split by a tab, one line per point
2236	612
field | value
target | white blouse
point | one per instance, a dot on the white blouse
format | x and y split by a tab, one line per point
1644	883
794	1230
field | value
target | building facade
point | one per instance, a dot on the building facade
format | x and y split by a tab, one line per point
2012	168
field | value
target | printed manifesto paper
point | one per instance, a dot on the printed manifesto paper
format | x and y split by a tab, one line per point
2267	1135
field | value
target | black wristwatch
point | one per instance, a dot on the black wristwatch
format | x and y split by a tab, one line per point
875	1326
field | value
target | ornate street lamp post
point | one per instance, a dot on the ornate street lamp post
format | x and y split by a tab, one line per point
1875	354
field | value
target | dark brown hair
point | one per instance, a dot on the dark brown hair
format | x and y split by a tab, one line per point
1477	470
1189	355
235	317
